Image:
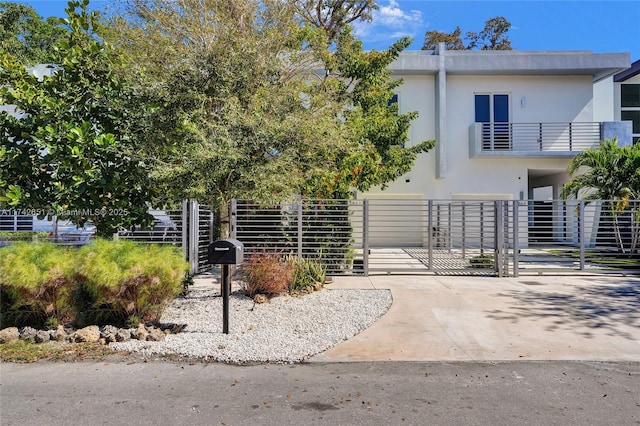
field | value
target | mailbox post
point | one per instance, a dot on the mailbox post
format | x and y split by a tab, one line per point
226	253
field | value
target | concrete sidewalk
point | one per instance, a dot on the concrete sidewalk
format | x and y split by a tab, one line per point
438	318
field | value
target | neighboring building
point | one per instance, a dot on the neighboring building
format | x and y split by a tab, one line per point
505	122
627	97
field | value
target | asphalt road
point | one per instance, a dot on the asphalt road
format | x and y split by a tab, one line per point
380	393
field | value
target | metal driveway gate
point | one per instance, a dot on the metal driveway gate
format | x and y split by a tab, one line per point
448	237
381	235
438	236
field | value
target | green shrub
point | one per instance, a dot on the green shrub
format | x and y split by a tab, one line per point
482	261
36	283
266	273
122	279
43	285
22	235
307	273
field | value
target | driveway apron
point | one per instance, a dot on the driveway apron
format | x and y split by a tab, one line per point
458	318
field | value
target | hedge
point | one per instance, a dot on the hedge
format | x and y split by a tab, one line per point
107	282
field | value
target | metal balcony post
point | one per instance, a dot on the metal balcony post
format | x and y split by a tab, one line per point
570	137
540	135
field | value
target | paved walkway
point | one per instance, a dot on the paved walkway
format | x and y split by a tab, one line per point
436	318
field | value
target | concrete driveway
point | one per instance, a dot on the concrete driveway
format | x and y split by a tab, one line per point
436	318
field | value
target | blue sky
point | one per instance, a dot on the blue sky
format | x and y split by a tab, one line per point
597	25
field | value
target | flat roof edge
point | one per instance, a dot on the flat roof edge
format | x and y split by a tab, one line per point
581	62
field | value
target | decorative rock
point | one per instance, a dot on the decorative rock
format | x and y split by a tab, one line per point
123	335
28	333
8	334
108	333
260	298
42	336
59	334
104	335
140	333
155	335
87	334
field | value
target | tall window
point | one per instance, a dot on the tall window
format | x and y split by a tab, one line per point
493	110
630	107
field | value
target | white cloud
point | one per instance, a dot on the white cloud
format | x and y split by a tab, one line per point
393	15
389	23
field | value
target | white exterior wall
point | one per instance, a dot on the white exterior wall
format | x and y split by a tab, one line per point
417	93
603	100
548	99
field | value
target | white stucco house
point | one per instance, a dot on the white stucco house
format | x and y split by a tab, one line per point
505	122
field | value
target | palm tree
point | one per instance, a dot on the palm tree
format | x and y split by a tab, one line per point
613	174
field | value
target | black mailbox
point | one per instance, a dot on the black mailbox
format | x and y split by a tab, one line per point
226	252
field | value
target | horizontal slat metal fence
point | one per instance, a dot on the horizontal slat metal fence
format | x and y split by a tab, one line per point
500	238
207	233
540	137
588	236
192	228
325	230
432	236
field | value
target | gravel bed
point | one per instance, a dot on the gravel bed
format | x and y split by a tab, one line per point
286	330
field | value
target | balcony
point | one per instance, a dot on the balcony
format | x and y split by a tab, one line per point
536	139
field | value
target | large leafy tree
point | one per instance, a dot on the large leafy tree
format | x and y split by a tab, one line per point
244	111
74	149
266	99
492	37
25	35
376	153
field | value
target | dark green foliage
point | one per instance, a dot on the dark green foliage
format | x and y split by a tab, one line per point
22	235
482	261
328	232
78	146
492	37
107	282
375	153
25	35
308	274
